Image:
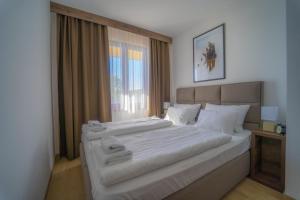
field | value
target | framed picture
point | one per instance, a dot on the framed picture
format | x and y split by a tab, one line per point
209	55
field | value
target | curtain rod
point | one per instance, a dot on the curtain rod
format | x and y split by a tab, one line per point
80	14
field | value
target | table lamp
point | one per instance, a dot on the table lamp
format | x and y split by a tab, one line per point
269	116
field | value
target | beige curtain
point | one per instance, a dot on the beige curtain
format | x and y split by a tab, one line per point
83	79
159	76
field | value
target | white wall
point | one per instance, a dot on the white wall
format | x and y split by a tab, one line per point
26	146
293	99
255	47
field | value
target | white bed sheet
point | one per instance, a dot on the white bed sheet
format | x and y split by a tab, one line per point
156	149
165	181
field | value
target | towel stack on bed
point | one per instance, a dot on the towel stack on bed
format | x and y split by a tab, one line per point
93	126
113	151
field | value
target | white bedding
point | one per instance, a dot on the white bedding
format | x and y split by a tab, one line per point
156	149
125	127
162	182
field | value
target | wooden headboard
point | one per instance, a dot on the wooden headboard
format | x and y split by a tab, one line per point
249	93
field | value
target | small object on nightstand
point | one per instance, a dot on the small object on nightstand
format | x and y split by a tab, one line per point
280	129
269	126
268	159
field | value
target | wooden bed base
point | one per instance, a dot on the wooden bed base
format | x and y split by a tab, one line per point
212	186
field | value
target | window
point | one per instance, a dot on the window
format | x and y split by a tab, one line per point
129	74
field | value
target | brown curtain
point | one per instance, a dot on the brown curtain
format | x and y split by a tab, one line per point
159	76
83	79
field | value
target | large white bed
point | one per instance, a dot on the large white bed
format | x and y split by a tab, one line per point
162	182
208	173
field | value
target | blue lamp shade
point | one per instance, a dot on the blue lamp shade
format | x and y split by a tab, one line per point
166	105
269	113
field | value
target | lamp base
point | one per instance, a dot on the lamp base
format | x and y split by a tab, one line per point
269	126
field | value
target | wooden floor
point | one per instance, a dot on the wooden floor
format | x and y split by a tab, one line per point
67	184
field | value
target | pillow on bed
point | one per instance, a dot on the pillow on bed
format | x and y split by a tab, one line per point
241	111
193	108
180	116
217	121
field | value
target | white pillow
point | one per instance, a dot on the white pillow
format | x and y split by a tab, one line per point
241	111
193	108
217	121
179	116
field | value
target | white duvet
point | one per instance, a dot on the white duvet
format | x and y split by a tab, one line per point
156	149
126	127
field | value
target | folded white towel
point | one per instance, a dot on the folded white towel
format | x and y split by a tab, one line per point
111	144
114	158
94	123
92	128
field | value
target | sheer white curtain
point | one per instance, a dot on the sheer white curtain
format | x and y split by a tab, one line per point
129	74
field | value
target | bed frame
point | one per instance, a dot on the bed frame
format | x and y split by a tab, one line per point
226	177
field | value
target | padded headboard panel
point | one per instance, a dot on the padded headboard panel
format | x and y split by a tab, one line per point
208	94
185	95
237	93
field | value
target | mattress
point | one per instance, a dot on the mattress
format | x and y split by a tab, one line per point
160	183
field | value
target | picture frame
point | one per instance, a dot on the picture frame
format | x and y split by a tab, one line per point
209	55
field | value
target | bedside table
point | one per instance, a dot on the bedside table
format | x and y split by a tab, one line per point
268	159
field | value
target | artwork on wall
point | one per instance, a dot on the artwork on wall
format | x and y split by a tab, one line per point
209	55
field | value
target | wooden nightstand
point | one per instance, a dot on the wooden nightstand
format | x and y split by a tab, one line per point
268	159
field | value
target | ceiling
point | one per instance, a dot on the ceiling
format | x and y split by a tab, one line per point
169	17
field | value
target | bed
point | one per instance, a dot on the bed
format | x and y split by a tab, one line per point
220	168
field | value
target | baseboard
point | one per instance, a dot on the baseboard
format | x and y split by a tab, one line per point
56	158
